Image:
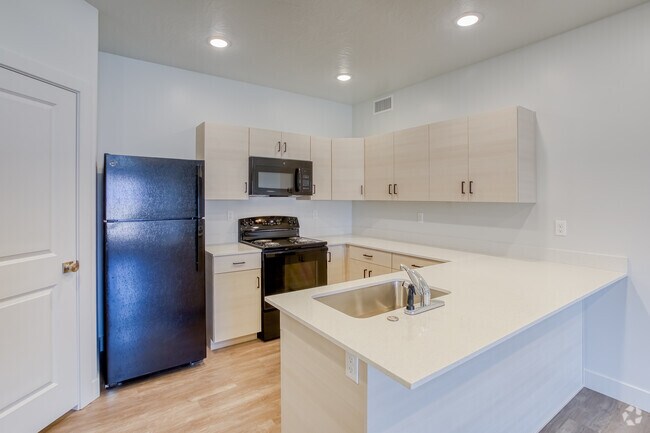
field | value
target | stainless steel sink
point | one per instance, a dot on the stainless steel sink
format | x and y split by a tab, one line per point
373	300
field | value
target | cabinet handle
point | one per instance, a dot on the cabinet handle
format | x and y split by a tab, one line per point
471	183
329	257
390	189
279	146
313	189
395	188
245	187
462	187
285	147
361	189
370	273
368	256
238	263
364	273
258	282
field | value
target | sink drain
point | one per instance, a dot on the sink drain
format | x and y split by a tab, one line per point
393	318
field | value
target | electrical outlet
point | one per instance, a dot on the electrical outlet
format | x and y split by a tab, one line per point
421	217
560	228
231	215
352	367
314	214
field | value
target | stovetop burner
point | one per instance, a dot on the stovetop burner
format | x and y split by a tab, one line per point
266	243
274	232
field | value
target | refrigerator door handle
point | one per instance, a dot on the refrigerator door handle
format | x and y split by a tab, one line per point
200	245
199	191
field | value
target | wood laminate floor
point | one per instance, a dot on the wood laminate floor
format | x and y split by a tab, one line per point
237	390
592	412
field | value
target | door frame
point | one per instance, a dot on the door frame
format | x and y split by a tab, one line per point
86	150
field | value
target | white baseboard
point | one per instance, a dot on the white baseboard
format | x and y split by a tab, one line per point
226	343
621	391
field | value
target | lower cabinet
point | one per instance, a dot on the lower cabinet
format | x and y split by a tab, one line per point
358	270
336	264
234	307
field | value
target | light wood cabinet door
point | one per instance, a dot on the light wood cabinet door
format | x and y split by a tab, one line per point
296	146
449	161
493	156
225	151
336	261
265	143
321	156
358	270
376	270
502	156
378	166
236	308
411	160
347	169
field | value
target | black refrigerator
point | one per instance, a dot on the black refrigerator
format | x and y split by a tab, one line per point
154	270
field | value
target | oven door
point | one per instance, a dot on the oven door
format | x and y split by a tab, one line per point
288	271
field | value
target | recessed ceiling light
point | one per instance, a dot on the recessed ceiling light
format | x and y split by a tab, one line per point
468	20
219	43
343	77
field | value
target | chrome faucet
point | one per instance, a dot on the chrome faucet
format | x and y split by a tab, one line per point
421	286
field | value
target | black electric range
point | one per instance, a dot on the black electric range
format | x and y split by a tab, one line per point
289	262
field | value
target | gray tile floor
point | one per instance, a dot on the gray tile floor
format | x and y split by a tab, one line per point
592	412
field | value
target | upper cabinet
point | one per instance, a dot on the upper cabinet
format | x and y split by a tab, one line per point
502	156
448	161
397	165
347	169
321	156
411	156
488	157
266	143
379	167
225	151
276	144
296	146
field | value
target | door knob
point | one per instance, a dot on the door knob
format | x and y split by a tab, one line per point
72	266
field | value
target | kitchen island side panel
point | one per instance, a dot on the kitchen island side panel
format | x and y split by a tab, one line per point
515	387
317	397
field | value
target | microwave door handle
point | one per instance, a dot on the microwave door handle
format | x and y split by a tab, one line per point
298	180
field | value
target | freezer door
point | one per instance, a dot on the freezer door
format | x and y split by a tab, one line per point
154	297
140	188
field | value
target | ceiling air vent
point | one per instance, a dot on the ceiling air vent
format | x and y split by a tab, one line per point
385	104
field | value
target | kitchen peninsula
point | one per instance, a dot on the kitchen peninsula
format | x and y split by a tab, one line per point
504	354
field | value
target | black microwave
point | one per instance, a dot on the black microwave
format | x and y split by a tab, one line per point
277	177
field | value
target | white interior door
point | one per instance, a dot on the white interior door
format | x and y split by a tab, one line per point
38	310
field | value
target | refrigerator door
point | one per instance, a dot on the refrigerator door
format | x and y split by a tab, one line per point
154	297
141	188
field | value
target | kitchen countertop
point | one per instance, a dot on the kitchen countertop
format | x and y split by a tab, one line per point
492	299
231	249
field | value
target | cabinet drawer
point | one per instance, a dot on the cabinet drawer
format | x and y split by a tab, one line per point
413	262
240	262
370	256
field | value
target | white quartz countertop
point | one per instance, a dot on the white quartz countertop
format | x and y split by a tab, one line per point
231	249
492	299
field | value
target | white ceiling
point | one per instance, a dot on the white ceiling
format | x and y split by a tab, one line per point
301	45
